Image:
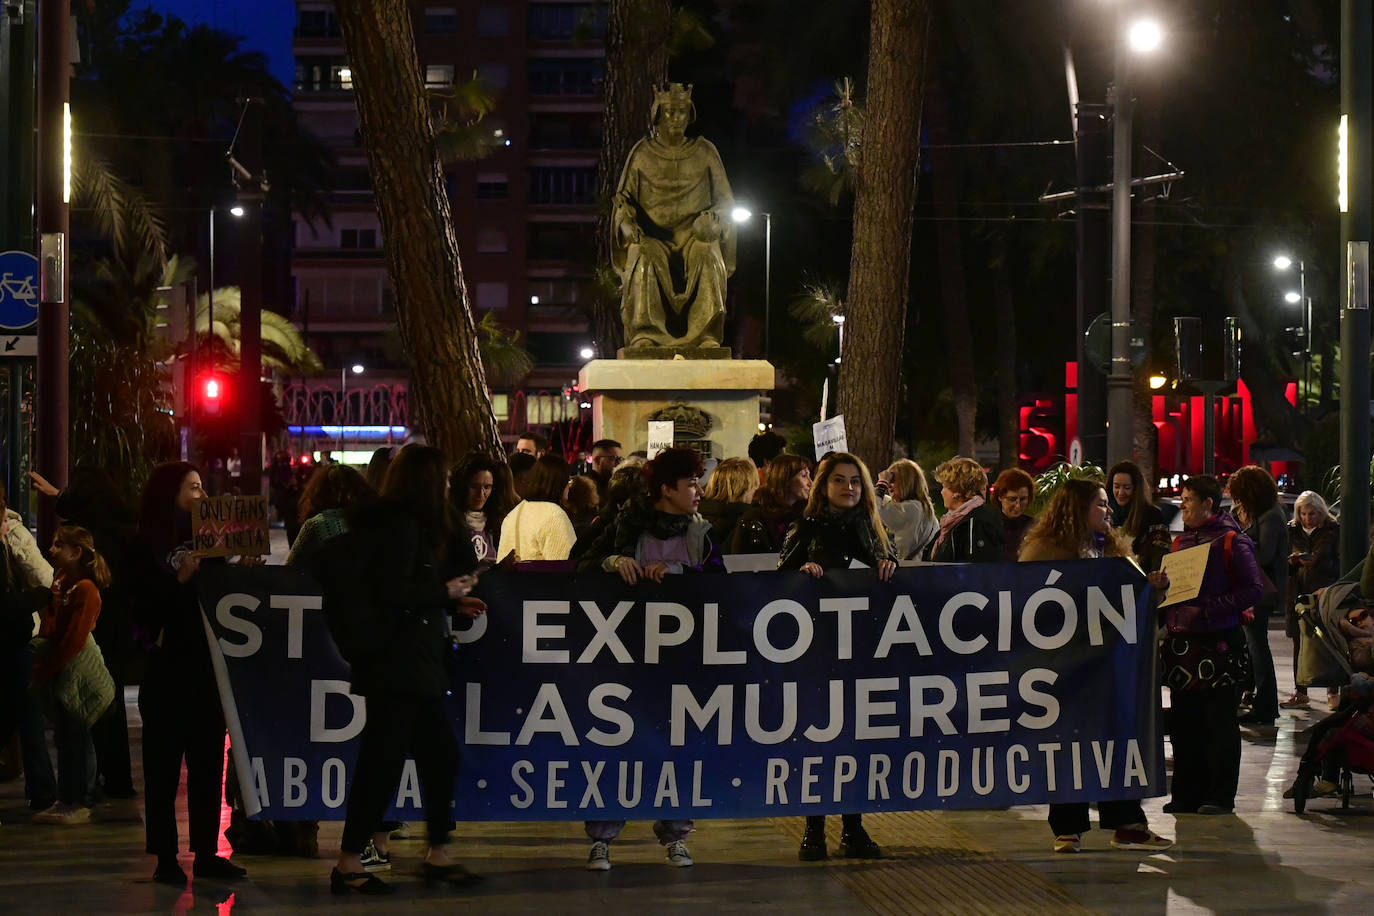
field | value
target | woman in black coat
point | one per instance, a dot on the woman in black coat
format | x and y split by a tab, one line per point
1313	563
970	530
404	591
840	525
178	700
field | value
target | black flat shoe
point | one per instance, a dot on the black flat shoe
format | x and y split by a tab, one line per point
1175	807
169	872
859	845
812	846
367	885
216	867
453	873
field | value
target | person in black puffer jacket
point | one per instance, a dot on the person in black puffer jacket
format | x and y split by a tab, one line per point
970	530
840	525
406	587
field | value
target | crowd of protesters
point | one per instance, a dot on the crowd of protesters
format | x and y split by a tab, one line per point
415	531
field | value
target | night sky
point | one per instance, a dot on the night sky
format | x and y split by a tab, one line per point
265	25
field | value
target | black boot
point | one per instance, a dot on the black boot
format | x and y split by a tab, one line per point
855	843
813	841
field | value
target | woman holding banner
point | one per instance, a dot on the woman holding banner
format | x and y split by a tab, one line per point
178	700
840	525
1076	525
649	542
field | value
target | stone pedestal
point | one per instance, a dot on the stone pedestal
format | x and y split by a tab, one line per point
625	392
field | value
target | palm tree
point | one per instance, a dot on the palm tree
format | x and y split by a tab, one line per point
283	347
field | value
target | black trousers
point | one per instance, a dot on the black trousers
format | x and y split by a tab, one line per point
848	822
110	735
1266	703
1206	740
1073	817
399	725
181	721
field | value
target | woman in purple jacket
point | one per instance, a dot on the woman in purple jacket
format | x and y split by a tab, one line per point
1204	654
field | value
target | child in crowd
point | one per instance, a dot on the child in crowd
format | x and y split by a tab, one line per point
66	625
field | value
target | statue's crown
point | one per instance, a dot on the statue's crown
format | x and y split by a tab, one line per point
673	93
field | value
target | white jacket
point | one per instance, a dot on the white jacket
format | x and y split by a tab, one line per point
33	568
537	531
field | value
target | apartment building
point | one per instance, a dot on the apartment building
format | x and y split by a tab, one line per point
524	215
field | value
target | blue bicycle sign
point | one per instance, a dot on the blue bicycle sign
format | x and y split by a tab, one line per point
18	289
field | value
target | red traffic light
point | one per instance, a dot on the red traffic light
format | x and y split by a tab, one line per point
212	391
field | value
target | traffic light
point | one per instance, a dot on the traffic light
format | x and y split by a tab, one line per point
212	391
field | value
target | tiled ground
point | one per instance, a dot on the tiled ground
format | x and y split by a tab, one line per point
1262	859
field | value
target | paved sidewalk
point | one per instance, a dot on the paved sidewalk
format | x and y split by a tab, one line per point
1263	859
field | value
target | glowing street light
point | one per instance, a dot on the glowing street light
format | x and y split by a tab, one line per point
586	353
1145	36
1283	262
1292	297
742	214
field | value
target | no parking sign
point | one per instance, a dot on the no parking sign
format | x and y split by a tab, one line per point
18	289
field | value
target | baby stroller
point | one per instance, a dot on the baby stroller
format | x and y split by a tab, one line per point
1346	737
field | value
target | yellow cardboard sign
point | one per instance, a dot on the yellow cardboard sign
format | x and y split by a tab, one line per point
1185	569
230	526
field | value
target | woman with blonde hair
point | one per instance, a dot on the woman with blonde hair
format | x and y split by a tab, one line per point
970	530
728	495
840	524
1313	564
1077	525
905	507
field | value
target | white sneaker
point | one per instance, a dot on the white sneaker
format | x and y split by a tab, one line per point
599	859
678	855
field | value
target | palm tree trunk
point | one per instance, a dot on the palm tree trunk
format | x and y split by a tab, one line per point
880	262
447	384
953	292
636	60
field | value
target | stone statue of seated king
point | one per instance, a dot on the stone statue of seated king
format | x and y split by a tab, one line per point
673	242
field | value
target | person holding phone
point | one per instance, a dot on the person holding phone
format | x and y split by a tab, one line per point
1313	564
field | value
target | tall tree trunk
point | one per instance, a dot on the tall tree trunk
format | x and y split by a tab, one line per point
949	244
447	383
1004	318
636	60
880	263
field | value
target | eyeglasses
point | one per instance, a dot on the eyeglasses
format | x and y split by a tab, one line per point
1358	617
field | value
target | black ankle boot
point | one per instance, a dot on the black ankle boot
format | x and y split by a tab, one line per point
855	843
812	845
168	871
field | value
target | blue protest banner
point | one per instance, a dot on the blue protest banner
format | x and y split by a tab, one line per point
754	694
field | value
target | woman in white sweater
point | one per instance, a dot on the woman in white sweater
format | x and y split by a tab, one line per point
538	528
905	507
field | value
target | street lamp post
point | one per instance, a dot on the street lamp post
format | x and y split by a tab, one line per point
1284	262
342	412
1143	36
235	211
742	215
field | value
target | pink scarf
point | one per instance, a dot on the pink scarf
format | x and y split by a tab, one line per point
953	517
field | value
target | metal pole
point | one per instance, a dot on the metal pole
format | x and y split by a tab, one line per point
252	198
343	400
1356	95
767	282
54	36
1120	436
1306	334
210	297
1092	231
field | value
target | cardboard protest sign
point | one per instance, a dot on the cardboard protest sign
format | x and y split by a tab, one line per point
1185	570
230	526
